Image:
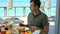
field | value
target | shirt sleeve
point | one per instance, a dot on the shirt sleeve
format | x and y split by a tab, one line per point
44	20
28	18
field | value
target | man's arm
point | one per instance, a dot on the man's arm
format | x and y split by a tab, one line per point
45	24
46	29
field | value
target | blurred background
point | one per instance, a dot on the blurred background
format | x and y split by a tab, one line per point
20	9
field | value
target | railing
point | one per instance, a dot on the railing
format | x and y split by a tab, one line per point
24	10
5	10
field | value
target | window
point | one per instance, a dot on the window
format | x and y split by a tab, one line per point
1	12
19	11
11	12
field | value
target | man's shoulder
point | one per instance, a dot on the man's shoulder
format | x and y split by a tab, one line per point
43	15
29	14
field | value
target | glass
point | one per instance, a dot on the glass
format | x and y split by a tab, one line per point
2	12
10	12
3	2
3	31
19	11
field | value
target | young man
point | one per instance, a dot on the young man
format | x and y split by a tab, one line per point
36	19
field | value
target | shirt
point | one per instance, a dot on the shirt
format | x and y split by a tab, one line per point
39	20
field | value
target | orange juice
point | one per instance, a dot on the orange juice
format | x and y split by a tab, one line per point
3	32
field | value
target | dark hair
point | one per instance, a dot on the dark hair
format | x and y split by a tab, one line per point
36	2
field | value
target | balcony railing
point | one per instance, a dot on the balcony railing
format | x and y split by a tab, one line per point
24	10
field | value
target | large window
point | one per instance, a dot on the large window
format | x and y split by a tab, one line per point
11	12
19	10
3	2
1	12
21	2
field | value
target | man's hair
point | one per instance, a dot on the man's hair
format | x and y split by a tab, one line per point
36	2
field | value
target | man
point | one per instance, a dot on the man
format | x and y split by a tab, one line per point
36	19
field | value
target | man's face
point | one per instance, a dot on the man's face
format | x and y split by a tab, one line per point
32	7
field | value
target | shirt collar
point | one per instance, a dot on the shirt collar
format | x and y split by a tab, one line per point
37	14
